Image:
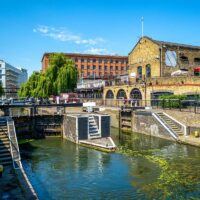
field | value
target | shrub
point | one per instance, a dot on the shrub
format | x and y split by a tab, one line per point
171	101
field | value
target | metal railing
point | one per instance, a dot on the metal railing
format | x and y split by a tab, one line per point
14	148
165	104
16	158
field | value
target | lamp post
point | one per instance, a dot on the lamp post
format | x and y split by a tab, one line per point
145	90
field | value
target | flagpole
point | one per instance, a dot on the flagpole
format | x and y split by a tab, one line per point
142	23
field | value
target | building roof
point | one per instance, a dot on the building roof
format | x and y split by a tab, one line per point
172	44
86	55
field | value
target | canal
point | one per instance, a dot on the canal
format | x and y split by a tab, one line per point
143	168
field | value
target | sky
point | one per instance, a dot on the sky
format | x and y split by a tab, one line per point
29	28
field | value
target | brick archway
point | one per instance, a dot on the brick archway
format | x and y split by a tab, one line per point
136	94
121	94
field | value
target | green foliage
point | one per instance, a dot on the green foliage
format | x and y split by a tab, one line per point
61	76
173	177
171	101
1	89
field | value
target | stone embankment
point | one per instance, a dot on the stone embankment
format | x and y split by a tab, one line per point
189	119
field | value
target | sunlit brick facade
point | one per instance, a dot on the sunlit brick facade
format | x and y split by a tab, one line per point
96	66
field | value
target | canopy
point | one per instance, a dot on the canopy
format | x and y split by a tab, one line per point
179	73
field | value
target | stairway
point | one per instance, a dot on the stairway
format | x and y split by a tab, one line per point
93	129
170	124
5	155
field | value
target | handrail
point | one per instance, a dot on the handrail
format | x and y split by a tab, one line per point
17	158
9	138
21	171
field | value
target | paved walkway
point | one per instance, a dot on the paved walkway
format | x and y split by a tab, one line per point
9	185
190	140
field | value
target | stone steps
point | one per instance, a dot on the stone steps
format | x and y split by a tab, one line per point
5	155
93	129
170	123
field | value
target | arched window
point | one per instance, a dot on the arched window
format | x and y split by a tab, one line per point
184	60
135	94
121	94
139	72
197	61
109	95
148	71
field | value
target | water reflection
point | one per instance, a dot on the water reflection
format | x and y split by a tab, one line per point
143	168
170	170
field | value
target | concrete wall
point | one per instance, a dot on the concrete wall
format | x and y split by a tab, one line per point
114	117
69	128
144	122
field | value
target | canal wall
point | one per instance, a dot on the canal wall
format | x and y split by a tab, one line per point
114	116
144	122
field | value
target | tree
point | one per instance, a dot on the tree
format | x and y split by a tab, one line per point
28	89
61	76
1	89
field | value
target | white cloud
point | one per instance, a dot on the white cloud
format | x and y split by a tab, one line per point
61	34
97	51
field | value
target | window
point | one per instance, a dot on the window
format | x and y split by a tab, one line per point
111	67
197	61
116	61
82	66
88	60
139	72
116	68
148	71
88	73
82	60
94	67
127	68
122	61
184	60
170	58
94	60
122	68
105	73
109	94
100	61
100	73
111	61
105	61
76	59
99	67
105	67
88	67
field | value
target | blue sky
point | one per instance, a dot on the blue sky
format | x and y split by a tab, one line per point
31	27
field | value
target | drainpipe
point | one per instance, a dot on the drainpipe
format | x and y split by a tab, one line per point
161	61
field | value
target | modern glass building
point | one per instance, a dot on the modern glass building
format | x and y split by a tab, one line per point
11	78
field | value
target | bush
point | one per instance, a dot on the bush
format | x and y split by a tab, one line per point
171	101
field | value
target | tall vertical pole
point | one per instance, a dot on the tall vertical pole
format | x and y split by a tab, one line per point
142	23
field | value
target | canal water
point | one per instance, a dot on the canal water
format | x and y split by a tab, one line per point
143	168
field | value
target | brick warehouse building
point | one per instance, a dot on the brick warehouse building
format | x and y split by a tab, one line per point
97	66
152	68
